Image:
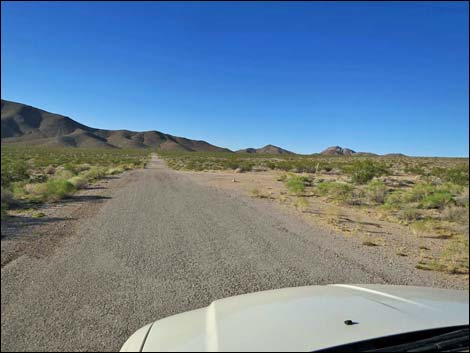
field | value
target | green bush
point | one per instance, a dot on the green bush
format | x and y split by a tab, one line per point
454	189
13	170
418	192
394	199
58	189
296	184
457	175
376	191
52	190
335	190
246	166
437	199
362	171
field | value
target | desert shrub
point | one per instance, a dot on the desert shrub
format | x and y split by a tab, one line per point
354	198
284	165
246	166
376	191
52	190
6	196
394	199
116	170
436	200
270	165
50	169
282	177
296	184
409	214
424	226
33	191
57	189
37	178
454	214
362	171
454	189
71	167
418	192
335	190
457	175
463	199
63	173
258	194
13	170
82	167
304	166
79	182
3	211
415	170
94	173
301	203
306	180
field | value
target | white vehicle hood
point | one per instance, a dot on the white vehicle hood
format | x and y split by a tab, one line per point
304	319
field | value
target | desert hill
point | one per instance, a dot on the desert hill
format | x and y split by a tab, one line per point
23	124
268	149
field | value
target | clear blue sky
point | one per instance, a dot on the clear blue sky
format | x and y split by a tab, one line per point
379	77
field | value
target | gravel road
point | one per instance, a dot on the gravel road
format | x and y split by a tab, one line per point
163	244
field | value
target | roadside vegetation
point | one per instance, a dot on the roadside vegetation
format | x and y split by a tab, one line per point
429	196
34	175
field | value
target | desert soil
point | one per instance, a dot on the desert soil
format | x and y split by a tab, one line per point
156	242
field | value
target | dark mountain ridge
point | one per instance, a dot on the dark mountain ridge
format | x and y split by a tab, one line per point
23	124
268	149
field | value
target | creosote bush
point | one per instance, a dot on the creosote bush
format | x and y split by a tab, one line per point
334	190
78	181
376	191
362	171
296	184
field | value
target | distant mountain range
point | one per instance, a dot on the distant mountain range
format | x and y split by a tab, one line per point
338	151
268	149
23	124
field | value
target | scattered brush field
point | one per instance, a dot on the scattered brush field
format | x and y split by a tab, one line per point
430	196
32	175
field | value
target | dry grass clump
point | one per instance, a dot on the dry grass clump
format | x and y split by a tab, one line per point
453	258
260	195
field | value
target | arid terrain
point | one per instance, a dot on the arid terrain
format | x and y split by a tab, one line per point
105	231
414	207
139	246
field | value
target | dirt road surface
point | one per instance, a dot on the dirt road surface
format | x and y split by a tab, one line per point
161	244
